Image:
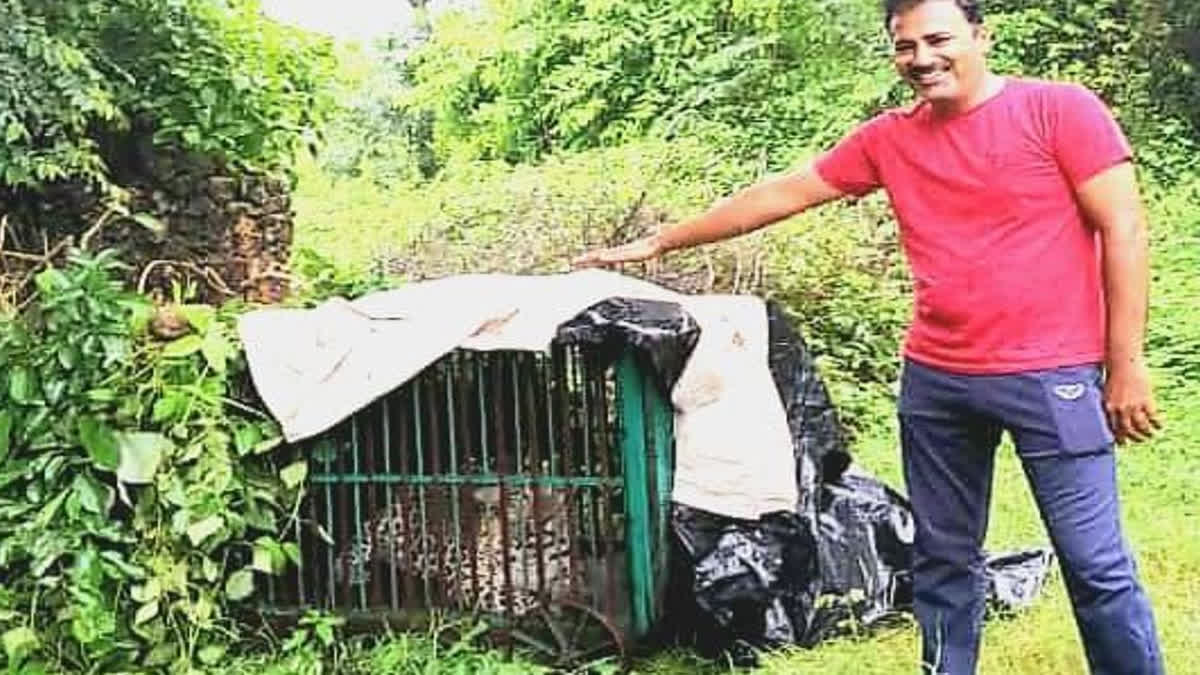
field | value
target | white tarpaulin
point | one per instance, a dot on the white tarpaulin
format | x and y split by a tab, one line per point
734	456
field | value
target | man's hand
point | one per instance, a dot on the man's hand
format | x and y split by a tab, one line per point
1129	403
761	204
635	251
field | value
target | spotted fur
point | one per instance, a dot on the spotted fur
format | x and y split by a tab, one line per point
470	568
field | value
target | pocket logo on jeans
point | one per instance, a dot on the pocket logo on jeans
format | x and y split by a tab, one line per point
1069	392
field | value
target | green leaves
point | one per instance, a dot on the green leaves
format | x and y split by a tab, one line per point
145	613
19	643
141	453
90	407
210	338
94	496
294	474
15	131
100	443
182	347
271	557
22	385
211	654
240	585
6	424
198	532
527	79
199	317
217	350
71	83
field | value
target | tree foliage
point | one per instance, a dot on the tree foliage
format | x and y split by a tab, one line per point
527	77
776	79
209	76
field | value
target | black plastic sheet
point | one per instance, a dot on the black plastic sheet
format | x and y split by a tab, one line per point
841	559
661	335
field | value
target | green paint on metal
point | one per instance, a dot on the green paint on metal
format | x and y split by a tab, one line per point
630	399
481	385
453	429
358	511
387	469
573	395
420	442
662	421
329	549
549	399
518	439
587	415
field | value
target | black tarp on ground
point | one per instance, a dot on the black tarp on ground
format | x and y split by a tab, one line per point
843	556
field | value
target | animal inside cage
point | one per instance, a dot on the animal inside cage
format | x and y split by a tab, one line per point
530	488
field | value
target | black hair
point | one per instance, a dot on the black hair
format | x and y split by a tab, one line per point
972	9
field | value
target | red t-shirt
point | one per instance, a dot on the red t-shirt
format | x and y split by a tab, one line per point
1007	274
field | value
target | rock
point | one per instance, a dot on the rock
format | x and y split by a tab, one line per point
277	204
222	189
238	209
238	225
200	205
254	189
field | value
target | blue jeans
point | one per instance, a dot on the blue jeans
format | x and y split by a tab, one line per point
950	426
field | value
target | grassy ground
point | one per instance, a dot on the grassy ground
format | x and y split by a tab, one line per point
1159	480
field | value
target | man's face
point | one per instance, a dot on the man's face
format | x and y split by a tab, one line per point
939	52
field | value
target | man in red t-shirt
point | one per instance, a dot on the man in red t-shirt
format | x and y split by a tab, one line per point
1020	217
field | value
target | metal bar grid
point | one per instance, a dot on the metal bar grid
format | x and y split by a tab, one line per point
514	473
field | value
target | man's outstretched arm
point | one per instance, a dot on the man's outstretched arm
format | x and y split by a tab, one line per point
1112	203
756	206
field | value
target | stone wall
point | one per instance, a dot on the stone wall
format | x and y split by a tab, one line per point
194	224
226	233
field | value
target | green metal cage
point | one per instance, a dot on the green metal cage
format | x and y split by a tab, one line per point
530	489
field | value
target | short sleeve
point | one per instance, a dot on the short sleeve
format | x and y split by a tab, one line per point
1085	136
849	166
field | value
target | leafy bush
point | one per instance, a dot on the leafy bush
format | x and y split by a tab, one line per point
521	80
840	274
135	502
215	78
838	270
372	135
1173	338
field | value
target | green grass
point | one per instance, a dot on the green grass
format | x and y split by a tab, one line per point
349	222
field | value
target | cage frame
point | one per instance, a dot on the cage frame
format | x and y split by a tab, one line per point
643	437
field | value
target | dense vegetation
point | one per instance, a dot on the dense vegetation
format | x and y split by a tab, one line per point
139	497
136	497
780	77
212	77
89	85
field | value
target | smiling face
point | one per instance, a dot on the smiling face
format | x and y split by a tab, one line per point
940	53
